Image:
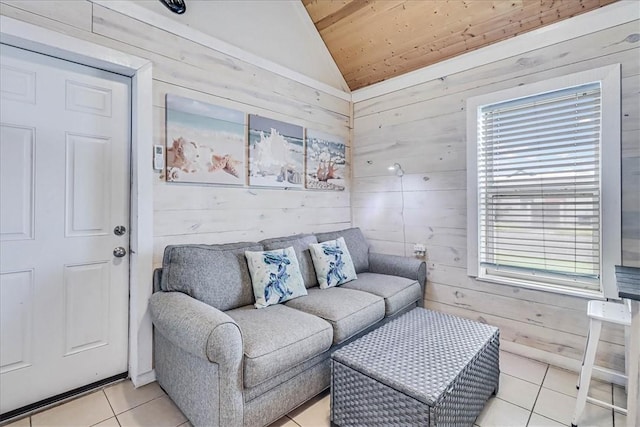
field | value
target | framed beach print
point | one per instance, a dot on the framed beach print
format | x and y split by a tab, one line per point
276	153
205	142
326	161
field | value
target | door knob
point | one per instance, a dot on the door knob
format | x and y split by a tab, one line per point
119	252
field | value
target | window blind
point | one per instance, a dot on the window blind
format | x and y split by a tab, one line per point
539	185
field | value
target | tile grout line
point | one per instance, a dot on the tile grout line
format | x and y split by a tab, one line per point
530	415
560	391
149	401
515	404
139	405
110	405
613	413
518	378
538	395
75	399
294	421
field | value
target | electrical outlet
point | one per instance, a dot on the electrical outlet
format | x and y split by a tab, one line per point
419	249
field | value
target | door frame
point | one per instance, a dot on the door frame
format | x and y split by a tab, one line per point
41	40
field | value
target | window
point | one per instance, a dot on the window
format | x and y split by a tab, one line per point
544	184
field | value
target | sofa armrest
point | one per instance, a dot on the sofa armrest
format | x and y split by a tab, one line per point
394	265
196	327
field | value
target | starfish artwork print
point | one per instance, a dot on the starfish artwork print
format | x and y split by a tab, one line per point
205	142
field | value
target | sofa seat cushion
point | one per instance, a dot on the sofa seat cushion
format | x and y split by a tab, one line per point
397	292
347	310
277	338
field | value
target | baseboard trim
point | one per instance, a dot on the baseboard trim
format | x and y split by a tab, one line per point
555	360
144	379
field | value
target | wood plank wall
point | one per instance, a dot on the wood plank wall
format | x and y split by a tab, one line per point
188	213
423	128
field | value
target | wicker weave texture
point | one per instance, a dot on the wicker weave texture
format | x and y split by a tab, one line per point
461	404
445	365
357	400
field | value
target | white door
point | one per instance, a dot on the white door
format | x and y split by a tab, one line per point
64	187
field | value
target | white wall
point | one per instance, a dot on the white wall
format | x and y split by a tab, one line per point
277	30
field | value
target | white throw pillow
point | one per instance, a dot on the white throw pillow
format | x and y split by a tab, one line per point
275	276
332	262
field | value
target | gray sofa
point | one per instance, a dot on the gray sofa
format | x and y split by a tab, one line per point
226	363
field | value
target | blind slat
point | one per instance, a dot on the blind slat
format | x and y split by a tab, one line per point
555	167
536	140
582	138
585	119
589	117
530	150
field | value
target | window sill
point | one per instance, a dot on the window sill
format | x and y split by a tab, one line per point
579	293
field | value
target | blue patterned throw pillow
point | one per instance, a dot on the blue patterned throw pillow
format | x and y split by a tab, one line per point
332	262
275	276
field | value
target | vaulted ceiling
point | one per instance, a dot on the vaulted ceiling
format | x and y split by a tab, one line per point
374	40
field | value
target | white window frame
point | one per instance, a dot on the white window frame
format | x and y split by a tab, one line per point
610	172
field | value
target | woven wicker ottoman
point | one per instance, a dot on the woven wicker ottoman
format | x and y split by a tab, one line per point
423	368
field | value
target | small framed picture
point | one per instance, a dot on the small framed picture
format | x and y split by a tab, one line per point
205	142
276	153
326	161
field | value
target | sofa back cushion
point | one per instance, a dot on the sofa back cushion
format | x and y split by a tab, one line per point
356	243
300	243
157	278
217	275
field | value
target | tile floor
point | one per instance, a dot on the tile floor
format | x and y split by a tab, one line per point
531	394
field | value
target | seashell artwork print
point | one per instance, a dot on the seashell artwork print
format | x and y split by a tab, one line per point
326	161
205	142
276	153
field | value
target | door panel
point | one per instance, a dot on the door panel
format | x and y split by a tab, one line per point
18	84
88	194
88	99
16	311
16	194
64	186
86	306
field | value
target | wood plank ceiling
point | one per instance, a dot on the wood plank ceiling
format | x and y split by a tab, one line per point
374	40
